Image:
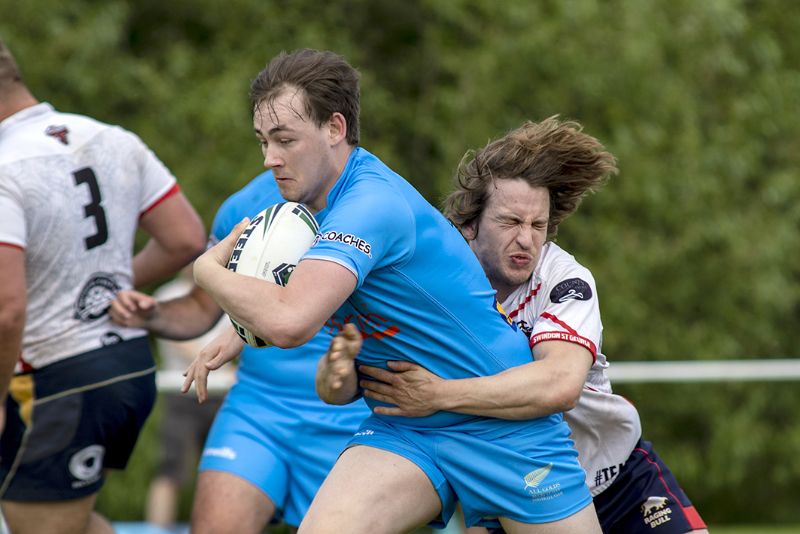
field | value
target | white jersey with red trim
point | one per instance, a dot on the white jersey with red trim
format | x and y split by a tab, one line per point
559	302
72	190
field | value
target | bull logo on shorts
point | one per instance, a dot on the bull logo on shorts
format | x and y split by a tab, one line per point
652	504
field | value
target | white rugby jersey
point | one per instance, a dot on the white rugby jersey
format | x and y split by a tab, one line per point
559	302
71	193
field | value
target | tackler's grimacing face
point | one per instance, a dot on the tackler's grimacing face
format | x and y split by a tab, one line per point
510	233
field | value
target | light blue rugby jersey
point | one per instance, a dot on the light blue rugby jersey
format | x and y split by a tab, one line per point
422	295
286	374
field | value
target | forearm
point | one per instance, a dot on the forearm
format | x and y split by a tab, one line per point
536	389
183	318
260	306
10	347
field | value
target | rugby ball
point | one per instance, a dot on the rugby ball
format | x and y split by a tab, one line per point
269	249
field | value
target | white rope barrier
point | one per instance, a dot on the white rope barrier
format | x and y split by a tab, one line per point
620	372
706	371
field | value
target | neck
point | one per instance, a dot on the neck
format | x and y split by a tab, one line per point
340	157
502	294
14	100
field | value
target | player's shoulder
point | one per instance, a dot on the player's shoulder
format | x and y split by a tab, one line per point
41	131
563	276
555	263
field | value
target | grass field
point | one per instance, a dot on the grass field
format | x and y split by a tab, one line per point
755	529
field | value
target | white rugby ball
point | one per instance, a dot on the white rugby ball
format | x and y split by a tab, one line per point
269	249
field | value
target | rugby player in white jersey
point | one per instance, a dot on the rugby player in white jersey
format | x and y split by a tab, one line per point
509	200
77	388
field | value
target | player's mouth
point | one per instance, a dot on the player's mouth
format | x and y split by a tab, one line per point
520	260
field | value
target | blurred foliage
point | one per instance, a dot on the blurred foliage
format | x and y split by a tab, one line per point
690	245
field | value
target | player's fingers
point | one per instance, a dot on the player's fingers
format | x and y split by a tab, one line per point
118	313
200	385
144	302
189	378
336	351
391	410
375	387
378	374
352	338
372	393
216	361
400	365
124	300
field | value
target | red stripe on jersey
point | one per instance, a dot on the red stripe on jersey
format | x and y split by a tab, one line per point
566	336
175	189
560	323
526	301
11	245
692	517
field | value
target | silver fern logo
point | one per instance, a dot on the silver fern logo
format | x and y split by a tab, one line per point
535	477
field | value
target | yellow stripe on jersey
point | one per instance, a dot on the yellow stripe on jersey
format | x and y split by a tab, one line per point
500	309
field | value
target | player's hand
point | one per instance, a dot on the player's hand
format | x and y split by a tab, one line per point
408	386
217	255
133	309
337	380
220	350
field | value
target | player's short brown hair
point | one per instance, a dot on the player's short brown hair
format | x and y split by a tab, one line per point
552	154
329	83
9	71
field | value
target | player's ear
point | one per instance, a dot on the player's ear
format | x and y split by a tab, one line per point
337	128
470	230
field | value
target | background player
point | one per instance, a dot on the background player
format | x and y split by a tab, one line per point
509	201
184	425
274	440
388	260
72	193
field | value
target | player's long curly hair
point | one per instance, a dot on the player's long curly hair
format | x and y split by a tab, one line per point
552	154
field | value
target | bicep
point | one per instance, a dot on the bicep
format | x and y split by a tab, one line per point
174	223
13	298
572	360
317	288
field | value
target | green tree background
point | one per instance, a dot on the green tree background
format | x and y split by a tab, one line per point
691	244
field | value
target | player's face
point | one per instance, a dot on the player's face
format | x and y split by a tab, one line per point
299	152
510	233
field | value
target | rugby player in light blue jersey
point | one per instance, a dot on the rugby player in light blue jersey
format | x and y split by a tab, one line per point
273	441
389	262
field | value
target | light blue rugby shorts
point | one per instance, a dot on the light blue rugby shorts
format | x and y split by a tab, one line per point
527	471
283	446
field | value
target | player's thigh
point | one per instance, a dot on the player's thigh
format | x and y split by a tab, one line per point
372	491
225	502
58	517
583	521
